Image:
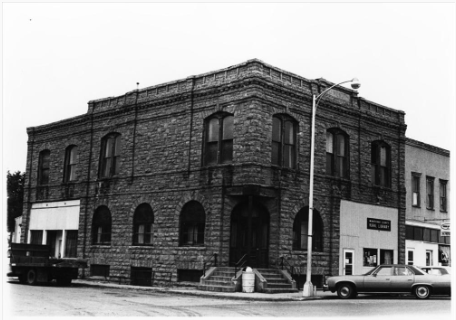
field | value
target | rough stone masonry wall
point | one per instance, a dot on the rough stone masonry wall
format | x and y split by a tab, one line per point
162	132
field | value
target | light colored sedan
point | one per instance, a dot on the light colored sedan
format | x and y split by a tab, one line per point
438	271
390	278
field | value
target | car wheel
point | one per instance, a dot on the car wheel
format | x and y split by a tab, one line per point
31	277
422	292
346	291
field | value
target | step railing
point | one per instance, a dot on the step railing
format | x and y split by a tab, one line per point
285	265
240	264
209	262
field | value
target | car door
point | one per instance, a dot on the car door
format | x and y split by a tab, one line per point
402	279
379	280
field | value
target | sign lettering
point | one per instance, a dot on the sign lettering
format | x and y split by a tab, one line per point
378	224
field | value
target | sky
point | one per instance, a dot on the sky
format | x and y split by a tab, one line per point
58	56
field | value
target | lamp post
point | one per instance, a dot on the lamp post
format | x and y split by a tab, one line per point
308	290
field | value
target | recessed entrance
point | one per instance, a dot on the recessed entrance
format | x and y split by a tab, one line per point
250	234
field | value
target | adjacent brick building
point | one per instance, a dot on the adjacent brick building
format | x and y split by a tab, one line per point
150	184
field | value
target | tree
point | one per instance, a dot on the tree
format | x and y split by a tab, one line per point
15	192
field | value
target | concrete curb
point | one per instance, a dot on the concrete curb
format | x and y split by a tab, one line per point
256	296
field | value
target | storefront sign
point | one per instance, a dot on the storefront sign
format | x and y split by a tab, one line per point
445	232
378	224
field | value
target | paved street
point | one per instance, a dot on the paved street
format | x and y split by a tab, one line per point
82	300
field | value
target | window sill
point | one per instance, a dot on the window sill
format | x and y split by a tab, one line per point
430	209
195	247
418	207
276	167
443	211
133	246
100	246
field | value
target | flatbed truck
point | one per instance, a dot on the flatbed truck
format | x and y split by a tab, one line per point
33	263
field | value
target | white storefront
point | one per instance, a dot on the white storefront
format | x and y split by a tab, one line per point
368	237
56	224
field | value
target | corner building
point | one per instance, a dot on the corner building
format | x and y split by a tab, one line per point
153	183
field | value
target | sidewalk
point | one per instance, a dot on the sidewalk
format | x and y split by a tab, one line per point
193	291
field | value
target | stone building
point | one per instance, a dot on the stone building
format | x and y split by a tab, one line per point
149	185
427	173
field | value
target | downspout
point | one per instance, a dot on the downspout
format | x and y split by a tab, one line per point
29	195
191	124
87	193
134	138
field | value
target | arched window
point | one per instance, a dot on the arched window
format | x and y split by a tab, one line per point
43	167
110	155
143	222
219	139
284	130
381	163
101	226
300	230
337	153
192	224
71	164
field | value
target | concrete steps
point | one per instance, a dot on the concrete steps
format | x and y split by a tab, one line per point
219	280
276	281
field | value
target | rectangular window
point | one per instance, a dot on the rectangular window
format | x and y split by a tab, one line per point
410	260
443	195
71	243
429	258
415	190
99	270
427	234
418	233
430	193
435	235
408	232
386	256
370	257
36	236
141	276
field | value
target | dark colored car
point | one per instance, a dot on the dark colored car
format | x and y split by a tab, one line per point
392	278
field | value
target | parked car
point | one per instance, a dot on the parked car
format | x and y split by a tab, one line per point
438	271
389	278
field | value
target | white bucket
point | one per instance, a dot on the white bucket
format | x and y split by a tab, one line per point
248	280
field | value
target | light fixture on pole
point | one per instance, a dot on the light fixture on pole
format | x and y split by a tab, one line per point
308	290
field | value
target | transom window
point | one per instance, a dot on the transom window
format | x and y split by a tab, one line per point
192	224
381	164
300	231
71	163
284	141
110	155
337	163
219	139
143	222
101	226
43	167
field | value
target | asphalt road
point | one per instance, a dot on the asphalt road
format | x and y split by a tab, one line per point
78	300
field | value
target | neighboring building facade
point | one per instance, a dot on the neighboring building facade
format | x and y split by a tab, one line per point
164	177
427	176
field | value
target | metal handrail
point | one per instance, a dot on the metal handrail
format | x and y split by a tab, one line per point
214	256
239	262
282	264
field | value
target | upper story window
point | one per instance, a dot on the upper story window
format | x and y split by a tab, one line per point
430	193
110	155
284	130
381	164
219	139
143	222
71	164
192	224
101	226
443	195
416	189
301	227
43	167
337	153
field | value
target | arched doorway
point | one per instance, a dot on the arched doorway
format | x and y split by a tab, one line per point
250	234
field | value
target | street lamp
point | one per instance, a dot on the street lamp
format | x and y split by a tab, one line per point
308	290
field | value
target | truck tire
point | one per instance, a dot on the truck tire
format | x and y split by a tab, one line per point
32	277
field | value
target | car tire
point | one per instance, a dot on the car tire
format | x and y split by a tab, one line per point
346	291
32	277
422	292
